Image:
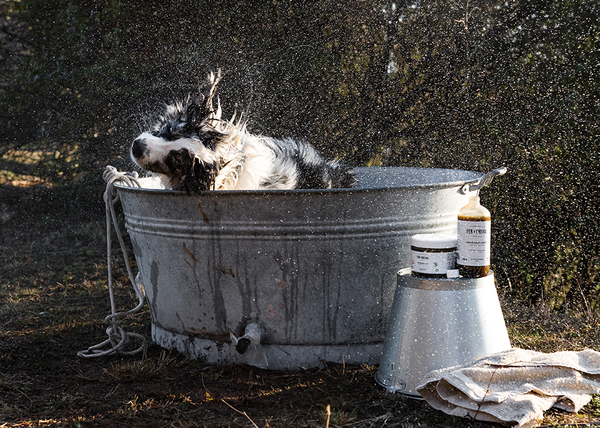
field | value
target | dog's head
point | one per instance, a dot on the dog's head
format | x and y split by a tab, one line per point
182	144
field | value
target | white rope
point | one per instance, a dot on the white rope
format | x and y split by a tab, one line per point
117	337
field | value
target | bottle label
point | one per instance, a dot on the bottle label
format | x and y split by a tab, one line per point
433	263
474	239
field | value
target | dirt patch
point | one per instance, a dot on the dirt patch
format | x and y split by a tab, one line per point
53	299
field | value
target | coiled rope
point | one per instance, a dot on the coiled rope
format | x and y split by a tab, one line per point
117	337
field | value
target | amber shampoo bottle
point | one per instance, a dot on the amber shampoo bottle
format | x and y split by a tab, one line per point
474	239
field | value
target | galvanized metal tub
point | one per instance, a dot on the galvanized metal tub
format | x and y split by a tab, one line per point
316	268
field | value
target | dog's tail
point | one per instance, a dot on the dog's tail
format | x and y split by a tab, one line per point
341	175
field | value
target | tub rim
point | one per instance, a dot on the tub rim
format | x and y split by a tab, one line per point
441	185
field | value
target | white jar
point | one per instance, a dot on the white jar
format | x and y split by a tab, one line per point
433	255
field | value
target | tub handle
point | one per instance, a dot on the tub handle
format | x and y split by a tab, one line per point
483	181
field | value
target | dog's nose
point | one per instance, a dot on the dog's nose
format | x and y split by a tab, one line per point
138	147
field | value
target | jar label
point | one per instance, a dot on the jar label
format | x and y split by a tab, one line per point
474	239
433	263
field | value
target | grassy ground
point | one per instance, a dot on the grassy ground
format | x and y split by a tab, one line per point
53	299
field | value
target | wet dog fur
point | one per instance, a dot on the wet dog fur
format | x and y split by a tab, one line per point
193	149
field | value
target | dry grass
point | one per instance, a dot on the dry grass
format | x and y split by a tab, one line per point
543	330
144	370
53	298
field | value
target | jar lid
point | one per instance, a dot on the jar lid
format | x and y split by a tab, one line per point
434	240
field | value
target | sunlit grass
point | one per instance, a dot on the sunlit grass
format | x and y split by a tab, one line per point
542	330
22	180
30	166
52	422
34	156
27	158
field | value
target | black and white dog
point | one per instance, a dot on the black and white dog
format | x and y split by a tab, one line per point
193	149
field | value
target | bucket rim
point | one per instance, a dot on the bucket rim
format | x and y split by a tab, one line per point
406	280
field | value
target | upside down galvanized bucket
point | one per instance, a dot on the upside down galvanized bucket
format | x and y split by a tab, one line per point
315	268
436	324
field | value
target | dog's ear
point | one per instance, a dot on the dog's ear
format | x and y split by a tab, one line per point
179	162
200	106
200	178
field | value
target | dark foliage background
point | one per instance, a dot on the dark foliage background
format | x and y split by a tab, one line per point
454	84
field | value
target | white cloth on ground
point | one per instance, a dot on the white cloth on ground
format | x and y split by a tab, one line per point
515	386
